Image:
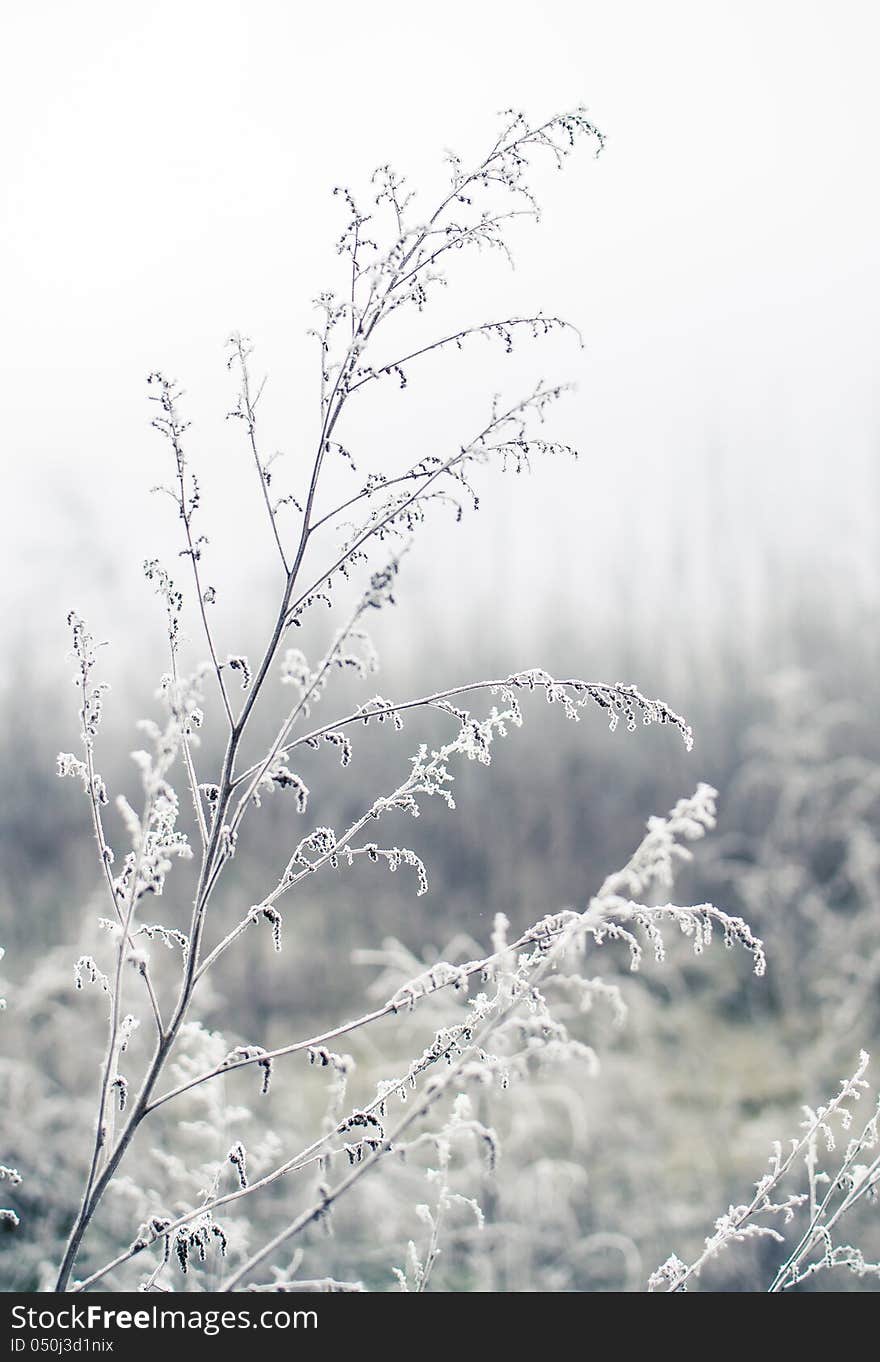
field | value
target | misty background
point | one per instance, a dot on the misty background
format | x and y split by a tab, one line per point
168	177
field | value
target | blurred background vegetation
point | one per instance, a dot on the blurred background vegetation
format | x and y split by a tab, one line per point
600	1177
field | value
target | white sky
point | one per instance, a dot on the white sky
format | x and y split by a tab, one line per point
165	179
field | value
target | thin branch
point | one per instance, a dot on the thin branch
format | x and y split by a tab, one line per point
247	411
457	338
457	975
476	448
170	425
605	694
435	1088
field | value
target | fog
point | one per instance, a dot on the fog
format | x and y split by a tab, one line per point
167	179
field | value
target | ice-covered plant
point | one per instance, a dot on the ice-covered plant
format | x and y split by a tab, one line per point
343	551
805	1224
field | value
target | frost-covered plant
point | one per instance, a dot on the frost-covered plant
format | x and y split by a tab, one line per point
348	547
806	1224
491	1042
